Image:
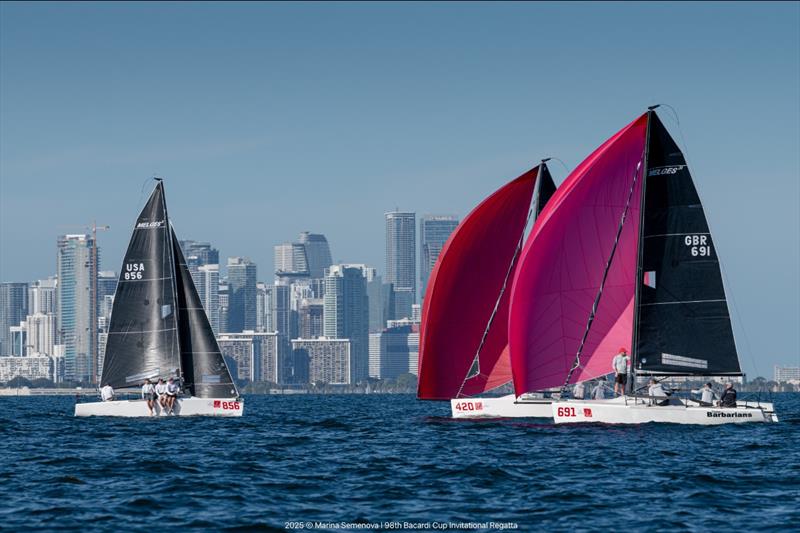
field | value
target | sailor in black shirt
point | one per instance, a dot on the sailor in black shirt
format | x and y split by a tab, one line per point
728	398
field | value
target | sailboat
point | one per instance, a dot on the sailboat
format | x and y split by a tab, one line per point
631	262
463	333
158	328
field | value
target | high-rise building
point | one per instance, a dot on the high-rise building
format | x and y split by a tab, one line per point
18	339
317	253
241	294
42	296
310	313
77	274
393	352
290	257
203	251
346	314
281	323
41	333
401	260
251	356
323	360
207	284
106	284
264	294
434	230
223	294
13	310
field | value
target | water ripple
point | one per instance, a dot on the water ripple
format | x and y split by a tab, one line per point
377	458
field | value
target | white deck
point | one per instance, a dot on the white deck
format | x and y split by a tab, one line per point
188	406
641	411
503	407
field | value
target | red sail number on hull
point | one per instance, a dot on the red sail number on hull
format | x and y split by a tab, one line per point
462	292
562	265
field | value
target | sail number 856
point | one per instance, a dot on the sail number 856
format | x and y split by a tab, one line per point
698	245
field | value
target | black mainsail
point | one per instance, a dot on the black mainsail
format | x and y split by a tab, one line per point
682	325
143	332
205	373
158	327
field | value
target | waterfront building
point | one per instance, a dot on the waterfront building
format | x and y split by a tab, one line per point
317	253
323	360
393	351
252	356
401	260
346	314
241	295
31	367
787	373
434	230
13	310
77	273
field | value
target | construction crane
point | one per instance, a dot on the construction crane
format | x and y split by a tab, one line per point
93	344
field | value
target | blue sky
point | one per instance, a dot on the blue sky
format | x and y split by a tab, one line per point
270	119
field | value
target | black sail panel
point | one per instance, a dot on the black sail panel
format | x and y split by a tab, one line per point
684	324
205	373
142	338
545	189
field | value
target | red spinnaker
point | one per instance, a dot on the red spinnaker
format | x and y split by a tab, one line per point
462	292
562	265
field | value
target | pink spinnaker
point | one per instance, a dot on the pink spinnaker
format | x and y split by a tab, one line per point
462	292
562	265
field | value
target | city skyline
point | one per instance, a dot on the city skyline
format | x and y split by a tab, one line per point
254	150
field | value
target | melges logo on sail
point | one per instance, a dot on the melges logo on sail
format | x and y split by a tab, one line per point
150	225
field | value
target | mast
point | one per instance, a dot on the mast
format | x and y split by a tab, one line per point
640	255
173	276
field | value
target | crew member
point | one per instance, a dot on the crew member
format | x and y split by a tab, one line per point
728	398
172	393
149	394
706	393
620	366
599	390
161	390
579	391
657	393
107	393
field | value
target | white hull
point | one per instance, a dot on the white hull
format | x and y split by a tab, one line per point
503	407
642	411
188	406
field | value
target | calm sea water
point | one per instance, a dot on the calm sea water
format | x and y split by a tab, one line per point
383	458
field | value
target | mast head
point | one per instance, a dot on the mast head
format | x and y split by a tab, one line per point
653	107
546	159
